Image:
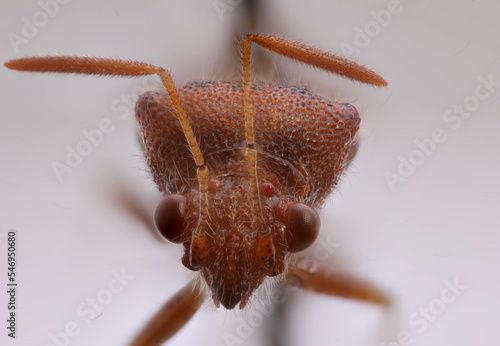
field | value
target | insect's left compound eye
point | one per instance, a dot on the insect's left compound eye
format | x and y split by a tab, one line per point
302	226
170	217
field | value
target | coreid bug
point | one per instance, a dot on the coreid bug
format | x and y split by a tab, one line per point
243	168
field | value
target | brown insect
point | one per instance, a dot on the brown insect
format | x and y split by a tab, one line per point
243	167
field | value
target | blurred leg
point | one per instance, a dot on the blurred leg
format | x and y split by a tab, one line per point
318	277
172	316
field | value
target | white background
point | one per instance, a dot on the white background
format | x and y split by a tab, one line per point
440	224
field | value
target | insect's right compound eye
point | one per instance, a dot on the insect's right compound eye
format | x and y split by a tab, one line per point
302	226
170	217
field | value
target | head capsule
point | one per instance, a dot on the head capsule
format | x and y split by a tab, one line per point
234	251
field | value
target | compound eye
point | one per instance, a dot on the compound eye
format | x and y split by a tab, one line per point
170	217
302	226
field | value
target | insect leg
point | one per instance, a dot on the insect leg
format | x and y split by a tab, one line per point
317	277
171	317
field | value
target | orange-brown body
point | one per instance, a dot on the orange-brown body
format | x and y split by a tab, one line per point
302	141
243	168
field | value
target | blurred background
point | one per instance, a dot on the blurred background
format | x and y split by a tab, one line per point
416	213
